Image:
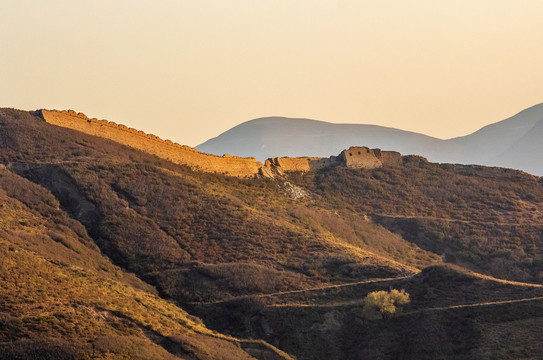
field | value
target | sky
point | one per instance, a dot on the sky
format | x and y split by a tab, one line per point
190	70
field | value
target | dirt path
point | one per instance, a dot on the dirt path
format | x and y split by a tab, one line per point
490	303
354	302
320	288
462	221
439	308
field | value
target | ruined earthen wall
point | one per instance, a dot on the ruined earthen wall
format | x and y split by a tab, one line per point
362	158
354	157
288	164
280	165
391	158
319	163
231	165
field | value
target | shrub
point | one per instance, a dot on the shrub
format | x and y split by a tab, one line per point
384	302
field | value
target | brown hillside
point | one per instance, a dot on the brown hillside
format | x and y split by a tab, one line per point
487	219
60	298
97	230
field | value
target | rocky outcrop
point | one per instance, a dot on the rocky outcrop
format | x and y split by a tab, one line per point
354	157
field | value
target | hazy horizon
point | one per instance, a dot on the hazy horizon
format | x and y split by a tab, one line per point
189	71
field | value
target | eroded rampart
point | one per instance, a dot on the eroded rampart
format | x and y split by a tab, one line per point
166	149
354	157
361	157
281	165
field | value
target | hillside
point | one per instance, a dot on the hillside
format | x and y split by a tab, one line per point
487	219
113	242
511	143
60	298
192	235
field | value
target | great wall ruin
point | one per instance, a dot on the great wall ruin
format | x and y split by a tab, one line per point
354	157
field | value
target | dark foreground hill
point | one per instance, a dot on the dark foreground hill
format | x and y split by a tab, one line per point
454	314
103	245
512	143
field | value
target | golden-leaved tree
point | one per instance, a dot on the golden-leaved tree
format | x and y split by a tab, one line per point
384	302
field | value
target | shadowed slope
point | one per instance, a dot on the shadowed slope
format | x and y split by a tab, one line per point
454	314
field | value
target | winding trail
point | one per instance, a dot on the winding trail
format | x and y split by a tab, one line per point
439	308
320	288
373	281
450	220
490	303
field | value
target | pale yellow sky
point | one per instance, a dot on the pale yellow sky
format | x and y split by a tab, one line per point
189	70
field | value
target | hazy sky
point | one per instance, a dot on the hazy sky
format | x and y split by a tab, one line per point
189	70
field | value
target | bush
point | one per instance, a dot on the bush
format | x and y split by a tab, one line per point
384	302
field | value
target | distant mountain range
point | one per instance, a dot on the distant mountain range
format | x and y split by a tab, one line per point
514	142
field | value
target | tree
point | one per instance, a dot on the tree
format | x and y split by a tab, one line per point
384	302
